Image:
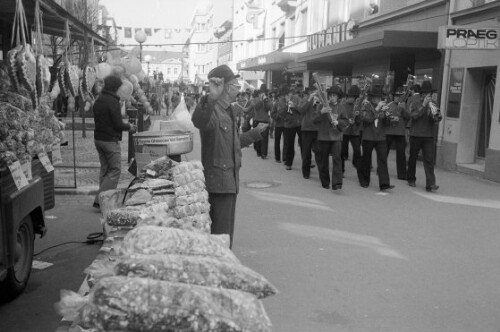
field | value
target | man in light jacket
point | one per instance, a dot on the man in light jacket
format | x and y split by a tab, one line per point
221	147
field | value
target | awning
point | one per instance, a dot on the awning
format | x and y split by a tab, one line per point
376	42
54	18
272	61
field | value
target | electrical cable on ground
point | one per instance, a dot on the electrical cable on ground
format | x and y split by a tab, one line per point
92	238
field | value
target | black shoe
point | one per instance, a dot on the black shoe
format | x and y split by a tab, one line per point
288	168
411	184
306	176
96	205
337	187
387	187
258	155
264	157
326	187
278	161
402	178
432	188
364	185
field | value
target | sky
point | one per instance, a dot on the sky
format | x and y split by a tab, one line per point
162	13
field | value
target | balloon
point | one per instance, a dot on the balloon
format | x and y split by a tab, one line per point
143	98
102	70
133	79
147	104
141	75
118	70
140	92
149	110
125	90
135	52
133	65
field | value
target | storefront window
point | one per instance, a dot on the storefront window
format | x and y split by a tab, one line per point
455	92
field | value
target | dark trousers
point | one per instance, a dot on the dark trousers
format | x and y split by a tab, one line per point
111	165
326	148
400	142
364	169
222	213
289	144
309	145
261	146
278	132
356	150
427	146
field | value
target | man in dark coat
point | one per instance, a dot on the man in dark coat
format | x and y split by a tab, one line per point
221	147
374	127
108	134
423	122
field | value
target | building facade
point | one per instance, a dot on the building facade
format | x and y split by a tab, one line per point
200	47
469	135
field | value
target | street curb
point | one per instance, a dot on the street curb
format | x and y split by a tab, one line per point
76	191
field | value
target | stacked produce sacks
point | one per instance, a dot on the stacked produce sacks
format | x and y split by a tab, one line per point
191	198
170	273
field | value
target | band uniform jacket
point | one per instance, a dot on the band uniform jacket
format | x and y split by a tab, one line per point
422	121
278	112
355	128
374	123
306	108
326	131
293	118
261	110
221	145
397	128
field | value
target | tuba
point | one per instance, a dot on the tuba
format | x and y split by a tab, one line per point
322	96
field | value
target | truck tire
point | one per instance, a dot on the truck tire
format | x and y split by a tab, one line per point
18	275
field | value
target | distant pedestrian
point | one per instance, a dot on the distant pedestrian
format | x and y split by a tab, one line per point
109	126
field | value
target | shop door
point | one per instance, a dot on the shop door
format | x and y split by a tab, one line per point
486	113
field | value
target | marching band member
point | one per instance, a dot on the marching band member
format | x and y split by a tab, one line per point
278	114
424	116
293	121
352	133
374	123
309	131
331	122
395	133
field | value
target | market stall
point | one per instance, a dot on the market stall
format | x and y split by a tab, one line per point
160	269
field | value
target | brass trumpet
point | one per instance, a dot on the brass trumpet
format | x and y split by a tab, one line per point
434	108
435	111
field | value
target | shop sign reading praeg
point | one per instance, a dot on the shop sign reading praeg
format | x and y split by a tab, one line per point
468	38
